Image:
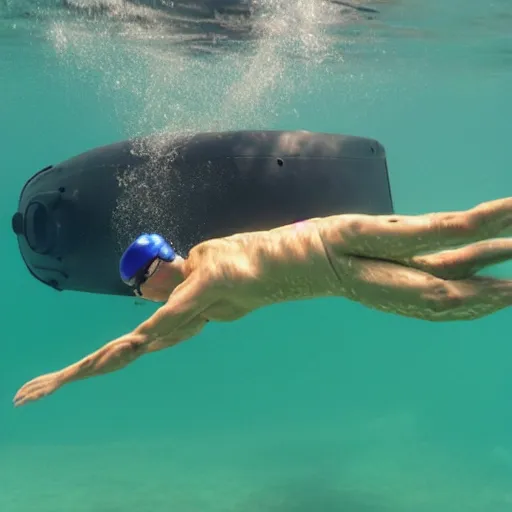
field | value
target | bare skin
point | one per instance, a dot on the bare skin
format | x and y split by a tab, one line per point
416	266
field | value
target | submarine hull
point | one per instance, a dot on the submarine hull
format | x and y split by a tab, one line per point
75	219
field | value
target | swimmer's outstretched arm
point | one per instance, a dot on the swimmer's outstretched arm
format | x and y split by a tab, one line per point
179	319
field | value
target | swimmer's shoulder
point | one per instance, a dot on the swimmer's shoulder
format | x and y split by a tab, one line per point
212	249
222	260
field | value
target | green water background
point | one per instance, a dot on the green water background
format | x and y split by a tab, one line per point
315	406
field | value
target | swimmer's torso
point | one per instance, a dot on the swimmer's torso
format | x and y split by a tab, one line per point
252	270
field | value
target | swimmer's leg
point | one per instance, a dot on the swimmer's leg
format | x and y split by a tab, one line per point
393	288
464	262
395	237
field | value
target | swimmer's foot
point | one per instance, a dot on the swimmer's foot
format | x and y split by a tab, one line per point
37	388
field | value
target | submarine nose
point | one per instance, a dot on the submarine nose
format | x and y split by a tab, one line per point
17	223
37	224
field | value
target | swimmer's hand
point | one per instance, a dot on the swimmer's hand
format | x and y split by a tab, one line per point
177	320
37	388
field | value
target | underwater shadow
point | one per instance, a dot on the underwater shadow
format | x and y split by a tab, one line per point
306	495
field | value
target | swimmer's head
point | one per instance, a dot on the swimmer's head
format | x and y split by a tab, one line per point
150	267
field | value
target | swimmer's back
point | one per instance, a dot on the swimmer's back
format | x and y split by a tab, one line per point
291	256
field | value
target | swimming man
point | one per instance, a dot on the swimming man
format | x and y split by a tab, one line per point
417	266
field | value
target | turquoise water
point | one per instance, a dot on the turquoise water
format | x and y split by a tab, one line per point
321	406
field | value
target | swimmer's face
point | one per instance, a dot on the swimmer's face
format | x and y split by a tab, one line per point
162	282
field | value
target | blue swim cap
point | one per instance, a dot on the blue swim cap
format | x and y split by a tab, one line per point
136	260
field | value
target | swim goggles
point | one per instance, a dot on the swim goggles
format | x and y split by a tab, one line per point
142	259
